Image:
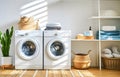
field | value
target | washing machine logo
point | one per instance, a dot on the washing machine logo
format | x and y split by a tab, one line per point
28	48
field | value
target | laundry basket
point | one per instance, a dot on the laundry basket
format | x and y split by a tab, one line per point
111	63
82	61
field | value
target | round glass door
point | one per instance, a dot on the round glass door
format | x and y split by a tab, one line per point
28	49
56	48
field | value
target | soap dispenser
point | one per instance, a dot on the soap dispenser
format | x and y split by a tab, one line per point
90	31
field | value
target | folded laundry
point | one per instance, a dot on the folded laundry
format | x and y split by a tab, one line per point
107	55
106	51
108	35
116	55
110	32
115	49
53	26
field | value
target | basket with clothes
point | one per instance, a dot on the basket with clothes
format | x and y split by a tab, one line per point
111	58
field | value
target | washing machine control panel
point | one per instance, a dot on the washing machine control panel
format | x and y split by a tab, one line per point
62	33
28	33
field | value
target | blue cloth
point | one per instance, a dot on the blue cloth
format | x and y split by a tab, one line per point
107	35
110	32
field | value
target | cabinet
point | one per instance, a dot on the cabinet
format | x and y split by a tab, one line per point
108	14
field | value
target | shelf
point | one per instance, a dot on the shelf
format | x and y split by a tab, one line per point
92	40
105	17
83	40
110	40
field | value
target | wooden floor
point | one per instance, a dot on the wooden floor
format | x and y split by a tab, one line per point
104	72
92	72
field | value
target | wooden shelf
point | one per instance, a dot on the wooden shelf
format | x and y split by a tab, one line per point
92	40
105	17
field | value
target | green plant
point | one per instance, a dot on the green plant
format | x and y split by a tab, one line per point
5	40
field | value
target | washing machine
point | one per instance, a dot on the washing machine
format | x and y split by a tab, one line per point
28	49
57	49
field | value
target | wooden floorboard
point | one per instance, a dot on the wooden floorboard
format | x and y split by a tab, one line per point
41	73
59	73
19	73
104	72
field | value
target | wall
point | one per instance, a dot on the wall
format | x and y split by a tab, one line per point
72	14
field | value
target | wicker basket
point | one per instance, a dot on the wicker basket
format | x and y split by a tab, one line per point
81	61
111	63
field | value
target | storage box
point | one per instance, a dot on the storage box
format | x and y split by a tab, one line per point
111	63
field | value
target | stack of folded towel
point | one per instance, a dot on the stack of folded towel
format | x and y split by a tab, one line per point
53	26
109	35
109	53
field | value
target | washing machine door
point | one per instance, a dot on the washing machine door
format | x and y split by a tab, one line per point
28	49
56	48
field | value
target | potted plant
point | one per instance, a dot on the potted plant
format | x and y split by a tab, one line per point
5	41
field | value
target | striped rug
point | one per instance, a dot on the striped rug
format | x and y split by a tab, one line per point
46	73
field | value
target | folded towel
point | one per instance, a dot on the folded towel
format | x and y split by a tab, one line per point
53	26
106	51
115	31
108	35
115	50
107	55
116	55
110	32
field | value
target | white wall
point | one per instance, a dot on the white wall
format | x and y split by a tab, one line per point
72	14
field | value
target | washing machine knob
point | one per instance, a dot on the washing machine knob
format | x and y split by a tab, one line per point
55	34
26	34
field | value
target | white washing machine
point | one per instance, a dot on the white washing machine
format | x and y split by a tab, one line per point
28	49
57	49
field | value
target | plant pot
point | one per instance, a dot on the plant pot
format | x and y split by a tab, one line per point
6	61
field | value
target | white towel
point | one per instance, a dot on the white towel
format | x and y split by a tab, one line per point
116	55
115	49
107	55
107	51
